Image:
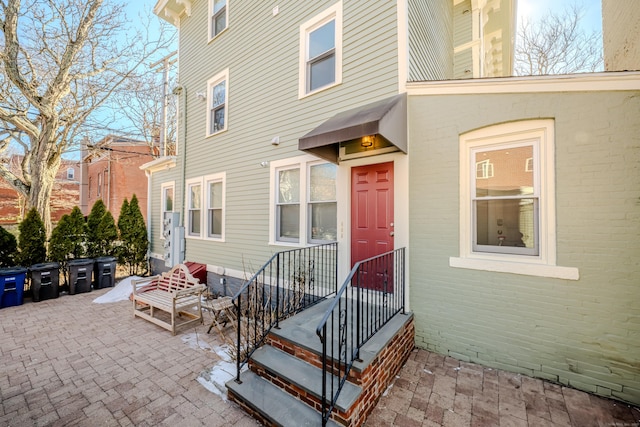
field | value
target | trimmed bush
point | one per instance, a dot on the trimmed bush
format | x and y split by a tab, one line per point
8	248
68	239
32	240
93	221
133	237
106	235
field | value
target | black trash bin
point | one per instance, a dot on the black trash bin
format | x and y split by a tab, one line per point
12	286
80	275
45	281
104	272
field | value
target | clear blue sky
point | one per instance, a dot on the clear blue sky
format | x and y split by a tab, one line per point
534	9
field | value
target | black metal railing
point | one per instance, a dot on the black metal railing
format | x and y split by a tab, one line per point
287	284
373	293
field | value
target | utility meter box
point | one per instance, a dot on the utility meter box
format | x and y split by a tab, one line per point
173	239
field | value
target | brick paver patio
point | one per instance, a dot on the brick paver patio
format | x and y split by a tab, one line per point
69	361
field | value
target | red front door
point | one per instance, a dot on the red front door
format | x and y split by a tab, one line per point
371	212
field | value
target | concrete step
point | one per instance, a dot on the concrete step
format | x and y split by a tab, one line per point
300	330
304	375
275	404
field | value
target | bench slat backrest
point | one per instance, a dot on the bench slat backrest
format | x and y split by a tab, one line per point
176	279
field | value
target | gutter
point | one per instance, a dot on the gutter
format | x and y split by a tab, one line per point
182	92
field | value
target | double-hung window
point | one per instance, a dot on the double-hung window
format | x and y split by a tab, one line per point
323	211
321	51
288	205
206	207
217	95
215	206
219	14
305	207
194	208
507	200
166	202
70	173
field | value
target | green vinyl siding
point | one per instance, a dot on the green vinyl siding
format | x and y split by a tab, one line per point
463	65
462	33
462	23
584	332
430	40
261	52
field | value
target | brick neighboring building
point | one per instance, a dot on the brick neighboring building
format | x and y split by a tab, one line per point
64	196
111	172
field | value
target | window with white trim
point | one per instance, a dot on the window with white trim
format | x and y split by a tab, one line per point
505	202
166	201
305	206
320	63
71	173
215	206
217	96
206	207
322	203
194	208
507	210
218	17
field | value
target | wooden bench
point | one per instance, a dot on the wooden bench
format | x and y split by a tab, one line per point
175	293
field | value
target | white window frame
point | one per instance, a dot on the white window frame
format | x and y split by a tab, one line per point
187	201
163	202
71	173
212	34
303	163
207	180
278	204
543	264
308	203
332	13
211	83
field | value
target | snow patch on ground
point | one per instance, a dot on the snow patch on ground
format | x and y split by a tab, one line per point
215	378
195	343
120	292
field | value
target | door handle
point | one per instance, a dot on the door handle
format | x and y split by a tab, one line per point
392	233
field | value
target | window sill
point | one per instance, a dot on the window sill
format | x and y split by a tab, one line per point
527	269
215	239
217	35
209	135
303	95
286	244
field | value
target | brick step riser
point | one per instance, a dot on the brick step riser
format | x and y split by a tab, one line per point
374	379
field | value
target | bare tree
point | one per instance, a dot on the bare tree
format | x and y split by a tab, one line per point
139	102
60	60
556	44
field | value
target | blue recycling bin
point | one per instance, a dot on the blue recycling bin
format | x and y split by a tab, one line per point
12	286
